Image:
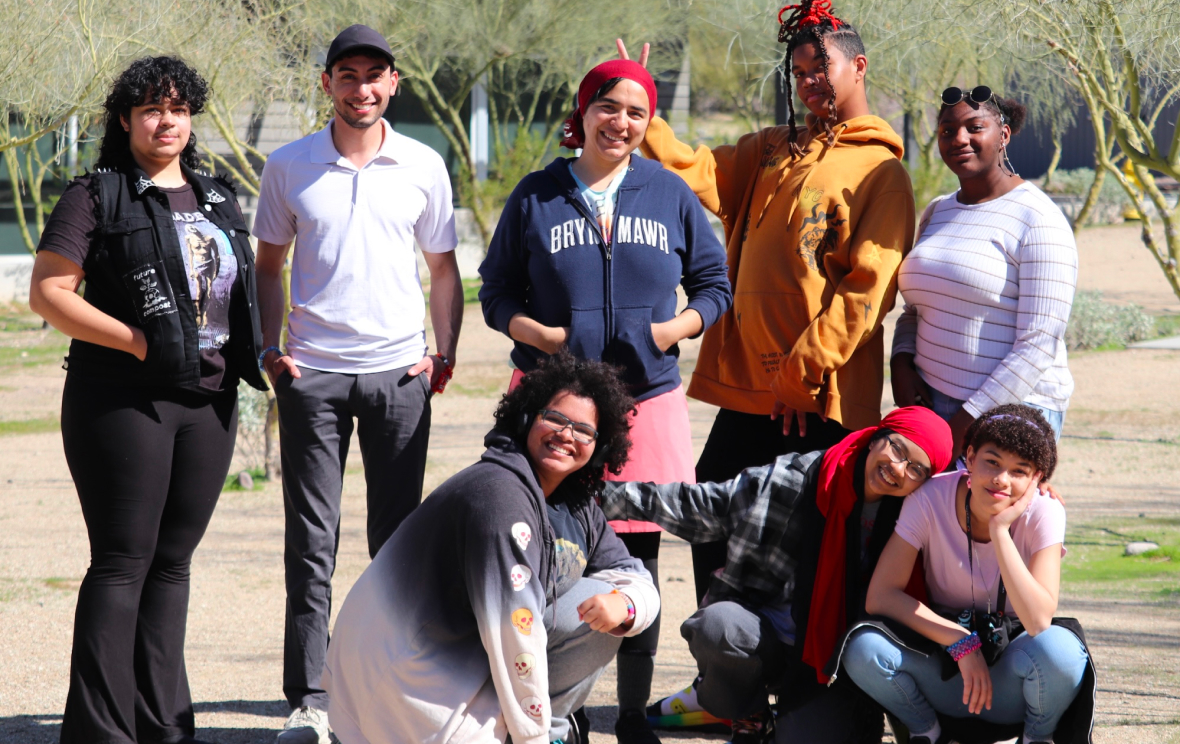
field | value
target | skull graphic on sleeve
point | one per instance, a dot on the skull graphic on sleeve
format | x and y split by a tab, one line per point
524	665
533	707
520	576
522	620
522	535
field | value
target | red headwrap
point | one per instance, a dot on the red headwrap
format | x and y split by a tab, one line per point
835	497
574	136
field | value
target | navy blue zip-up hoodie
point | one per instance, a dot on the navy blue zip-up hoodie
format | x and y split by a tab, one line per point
548	260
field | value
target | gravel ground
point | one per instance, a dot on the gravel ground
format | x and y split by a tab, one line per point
236	613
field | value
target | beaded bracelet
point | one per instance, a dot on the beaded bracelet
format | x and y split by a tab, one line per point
630	607
964	646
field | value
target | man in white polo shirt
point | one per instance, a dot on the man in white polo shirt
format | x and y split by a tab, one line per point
354	197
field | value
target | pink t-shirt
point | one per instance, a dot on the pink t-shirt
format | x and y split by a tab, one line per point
929	522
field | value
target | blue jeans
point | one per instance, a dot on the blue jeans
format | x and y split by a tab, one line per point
946	406
1034	681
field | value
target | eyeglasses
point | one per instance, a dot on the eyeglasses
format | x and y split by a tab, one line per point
913	470
584	433
978	94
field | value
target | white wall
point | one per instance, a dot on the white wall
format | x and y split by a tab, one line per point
15	272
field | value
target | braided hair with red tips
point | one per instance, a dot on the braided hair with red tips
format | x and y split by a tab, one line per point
812	22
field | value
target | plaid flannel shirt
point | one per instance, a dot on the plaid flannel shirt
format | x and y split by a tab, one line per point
758	513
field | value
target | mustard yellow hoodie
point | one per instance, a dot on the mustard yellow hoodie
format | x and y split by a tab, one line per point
813	249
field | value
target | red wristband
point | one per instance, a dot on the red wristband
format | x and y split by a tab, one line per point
444	377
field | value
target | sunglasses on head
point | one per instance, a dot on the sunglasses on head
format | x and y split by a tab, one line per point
978	94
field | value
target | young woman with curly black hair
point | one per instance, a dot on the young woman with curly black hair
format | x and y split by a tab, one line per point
991	546
495	606
166	328
989	285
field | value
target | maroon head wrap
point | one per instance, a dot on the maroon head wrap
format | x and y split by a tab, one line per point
835	496
574	136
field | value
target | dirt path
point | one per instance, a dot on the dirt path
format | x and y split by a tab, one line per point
236	612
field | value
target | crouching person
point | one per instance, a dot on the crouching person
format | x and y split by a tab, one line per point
495	606
983	659
803	536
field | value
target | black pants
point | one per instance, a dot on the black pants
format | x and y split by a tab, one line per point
744	440
149	466
636	658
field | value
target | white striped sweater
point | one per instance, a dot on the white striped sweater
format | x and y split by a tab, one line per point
988	290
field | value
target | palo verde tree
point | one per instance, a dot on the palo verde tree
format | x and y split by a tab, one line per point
735	58
1123	60
263	63
528	54
59	57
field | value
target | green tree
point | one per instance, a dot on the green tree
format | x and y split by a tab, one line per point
528	54
1124	62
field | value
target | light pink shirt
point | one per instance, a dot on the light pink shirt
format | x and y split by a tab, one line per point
929	523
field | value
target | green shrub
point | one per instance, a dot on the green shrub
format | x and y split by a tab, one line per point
251	443
1096	323
1112	200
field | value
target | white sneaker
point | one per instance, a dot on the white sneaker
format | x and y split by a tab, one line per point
305	725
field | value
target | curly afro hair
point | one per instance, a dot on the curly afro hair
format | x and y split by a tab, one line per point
563	372
1019	429
149	80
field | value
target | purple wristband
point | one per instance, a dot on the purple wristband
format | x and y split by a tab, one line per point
964	646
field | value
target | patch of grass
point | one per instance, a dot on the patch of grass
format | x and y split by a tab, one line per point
1167	325
63	584
258	474
19	318
29	426
51	350
1096	559
470	291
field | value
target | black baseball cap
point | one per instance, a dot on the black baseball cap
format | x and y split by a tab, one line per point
357	38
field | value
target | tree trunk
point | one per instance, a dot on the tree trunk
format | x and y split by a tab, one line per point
1055	160
14	178
1083	215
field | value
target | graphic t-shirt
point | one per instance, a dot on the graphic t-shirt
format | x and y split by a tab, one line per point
602	203
212	269
210	264
570	544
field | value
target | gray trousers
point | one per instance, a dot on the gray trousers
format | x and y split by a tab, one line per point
316	412
742	660
577	655
738	655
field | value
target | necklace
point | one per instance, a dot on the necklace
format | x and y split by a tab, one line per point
973	557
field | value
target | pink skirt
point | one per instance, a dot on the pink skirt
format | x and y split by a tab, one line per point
661	446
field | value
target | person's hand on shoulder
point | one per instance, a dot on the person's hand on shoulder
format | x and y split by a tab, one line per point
1049	490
